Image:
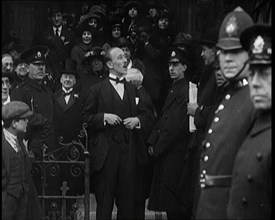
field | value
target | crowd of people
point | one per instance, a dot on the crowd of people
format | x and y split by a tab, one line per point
128	77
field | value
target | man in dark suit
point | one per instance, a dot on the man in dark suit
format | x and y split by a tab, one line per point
16	163
118	117
59	38
250	191
169	140
67	124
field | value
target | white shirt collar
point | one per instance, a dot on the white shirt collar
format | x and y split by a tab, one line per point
11	139
114	76
7	101
67	90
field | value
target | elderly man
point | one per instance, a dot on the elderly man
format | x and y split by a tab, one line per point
7	63
231	122
7	79
250	192
16	163
117	118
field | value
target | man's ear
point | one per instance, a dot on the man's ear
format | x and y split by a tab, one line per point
184	67
109	64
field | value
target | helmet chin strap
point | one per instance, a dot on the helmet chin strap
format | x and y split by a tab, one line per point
240	71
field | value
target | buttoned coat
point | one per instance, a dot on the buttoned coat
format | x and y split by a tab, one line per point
40	100
169	140
231	123
99	101
250	192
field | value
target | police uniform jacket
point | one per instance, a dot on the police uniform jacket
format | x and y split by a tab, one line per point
169	140
250	193
40	99
100	101
232	120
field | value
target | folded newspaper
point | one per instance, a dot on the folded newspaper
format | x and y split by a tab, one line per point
193	91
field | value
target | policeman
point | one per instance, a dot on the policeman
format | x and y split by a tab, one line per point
33	91
231	121
250	195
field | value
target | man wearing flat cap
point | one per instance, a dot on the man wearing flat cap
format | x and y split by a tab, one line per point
250	191
16	163
168	142
231	120
58	38
33	91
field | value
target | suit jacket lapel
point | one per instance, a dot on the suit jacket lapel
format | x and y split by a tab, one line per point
70	102
106	91
5	152
131	96
61	100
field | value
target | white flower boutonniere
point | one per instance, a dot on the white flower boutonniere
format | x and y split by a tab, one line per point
76	96
62	38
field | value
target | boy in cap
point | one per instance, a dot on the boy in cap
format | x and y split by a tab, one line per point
232	119
168	142
16	163
250	191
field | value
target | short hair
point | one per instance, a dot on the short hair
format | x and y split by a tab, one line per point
6	55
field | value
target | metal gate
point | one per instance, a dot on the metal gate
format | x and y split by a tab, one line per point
72	157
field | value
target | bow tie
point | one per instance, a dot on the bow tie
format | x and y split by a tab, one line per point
117	80
67	93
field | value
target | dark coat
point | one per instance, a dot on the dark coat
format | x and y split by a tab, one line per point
231	123
60	48
99	102
250	193
67	117
34	211
40	99
169	140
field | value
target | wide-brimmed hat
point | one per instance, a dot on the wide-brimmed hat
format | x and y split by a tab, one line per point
95	52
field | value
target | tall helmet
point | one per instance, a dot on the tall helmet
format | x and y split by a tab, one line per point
232	26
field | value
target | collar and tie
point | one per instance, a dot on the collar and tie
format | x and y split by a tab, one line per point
67	93
117	80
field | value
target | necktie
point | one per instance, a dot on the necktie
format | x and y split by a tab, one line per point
56	32
117	80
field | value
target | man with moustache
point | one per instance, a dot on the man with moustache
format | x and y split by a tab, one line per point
117	118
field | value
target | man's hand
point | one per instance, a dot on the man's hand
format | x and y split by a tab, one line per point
131	123
191	108
112	119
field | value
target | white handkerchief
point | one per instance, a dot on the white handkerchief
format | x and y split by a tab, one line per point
137	100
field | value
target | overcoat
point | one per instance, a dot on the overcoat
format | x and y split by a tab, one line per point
169	140
231	123
250	192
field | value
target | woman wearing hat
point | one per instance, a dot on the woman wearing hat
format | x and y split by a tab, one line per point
85	44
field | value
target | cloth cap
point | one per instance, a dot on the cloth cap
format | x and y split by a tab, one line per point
35	54
233	24
15	110
257	41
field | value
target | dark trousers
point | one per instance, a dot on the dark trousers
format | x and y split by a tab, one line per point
116	181
14	208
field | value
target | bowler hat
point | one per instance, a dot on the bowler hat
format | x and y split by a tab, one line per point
15	110
36	54
183	39
69	67
257	41
55	8
95	52
130	5
209	37
233	24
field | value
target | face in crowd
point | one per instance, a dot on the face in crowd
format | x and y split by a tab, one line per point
153	12
7	64
232	62
57	19
68	80
127	53
116	32
37	71
20	125
86	37
208	54
117	63
163	23
176	69
5	88
133	12
93	23
260	84
97	65
22	70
